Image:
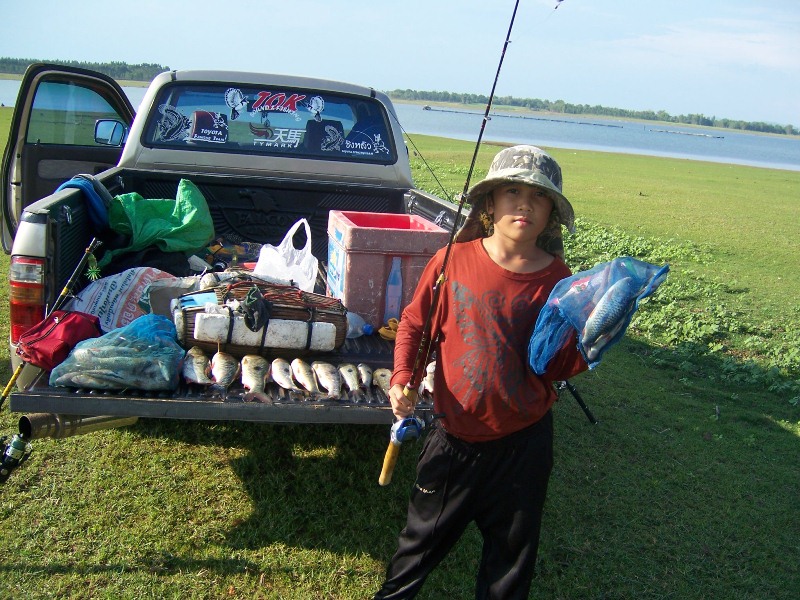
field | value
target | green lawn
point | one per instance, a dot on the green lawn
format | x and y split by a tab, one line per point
686	489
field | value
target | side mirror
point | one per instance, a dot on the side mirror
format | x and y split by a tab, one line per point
109	132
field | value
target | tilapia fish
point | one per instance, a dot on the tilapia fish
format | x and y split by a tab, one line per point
381	378
282	374
349	375
365	375
255	372
608	317
195	366
224	369
304	375
328	378
141	373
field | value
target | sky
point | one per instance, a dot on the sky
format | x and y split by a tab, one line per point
736	59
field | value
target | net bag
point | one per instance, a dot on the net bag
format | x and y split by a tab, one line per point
598	304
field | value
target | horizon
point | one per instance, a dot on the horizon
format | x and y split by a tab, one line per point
727	59
494	102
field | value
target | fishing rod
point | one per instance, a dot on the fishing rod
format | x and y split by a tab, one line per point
66	292
410	425
18	449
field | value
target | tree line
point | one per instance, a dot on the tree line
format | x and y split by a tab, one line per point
147	71
566	108
115	70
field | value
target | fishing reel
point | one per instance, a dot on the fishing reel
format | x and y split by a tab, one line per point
406	429
12	454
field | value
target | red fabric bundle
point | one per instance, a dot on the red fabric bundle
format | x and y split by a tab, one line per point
47	344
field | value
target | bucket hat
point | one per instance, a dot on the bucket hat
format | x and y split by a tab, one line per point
521	164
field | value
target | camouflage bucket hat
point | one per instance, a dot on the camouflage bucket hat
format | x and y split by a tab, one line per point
521	164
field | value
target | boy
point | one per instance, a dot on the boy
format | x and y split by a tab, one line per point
489	457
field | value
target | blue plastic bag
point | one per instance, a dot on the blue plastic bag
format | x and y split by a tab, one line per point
598	304
144	354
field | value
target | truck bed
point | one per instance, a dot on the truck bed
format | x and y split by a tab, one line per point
251	209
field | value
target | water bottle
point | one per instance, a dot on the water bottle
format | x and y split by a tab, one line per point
357	326
394	291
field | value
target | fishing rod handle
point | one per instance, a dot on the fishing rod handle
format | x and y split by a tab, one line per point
11	382
389	462
393	450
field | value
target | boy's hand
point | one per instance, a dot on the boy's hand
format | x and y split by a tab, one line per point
402	406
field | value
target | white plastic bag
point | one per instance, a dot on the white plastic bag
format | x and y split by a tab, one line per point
287	264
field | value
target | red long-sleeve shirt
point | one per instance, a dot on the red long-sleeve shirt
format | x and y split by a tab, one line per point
483	384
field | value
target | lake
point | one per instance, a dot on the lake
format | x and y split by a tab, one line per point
608	135
578	132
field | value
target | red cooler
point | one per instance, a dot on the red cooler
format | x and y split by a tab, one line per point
361	249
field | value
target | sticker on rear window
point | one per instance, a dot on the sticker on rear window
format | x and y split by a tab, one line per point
209	127
173	125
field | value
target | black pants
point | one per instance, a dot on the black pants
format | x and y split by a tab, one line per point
501	486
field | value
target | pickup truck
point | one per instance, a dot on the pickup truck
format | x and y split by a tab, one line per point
265	151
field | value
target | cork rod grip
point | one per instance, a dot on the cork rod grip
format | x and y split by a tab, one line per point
389	462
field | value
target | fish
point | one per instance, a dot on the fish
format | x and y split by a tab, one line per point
349	374
282	374
608	317
381	378
365	375
142	373
91	353
304	375
328	378
196	366
224	369
98	379
255	372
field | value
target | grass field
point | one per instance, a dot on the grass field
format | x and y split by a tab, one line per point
686	489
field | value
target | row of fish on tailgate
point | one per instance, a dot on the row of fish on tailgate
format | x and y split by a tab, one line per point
317	378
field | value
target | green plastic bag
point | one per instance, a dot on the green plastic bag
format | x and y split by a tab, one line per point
180	225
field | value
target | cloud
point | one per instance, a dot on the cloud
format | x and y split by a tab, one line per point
725	43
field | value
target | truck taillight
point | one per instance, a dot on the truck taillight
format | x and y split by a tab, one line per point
26	294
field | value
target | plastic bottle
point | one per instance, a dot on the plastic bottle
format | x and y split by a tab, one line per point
357	326
394	291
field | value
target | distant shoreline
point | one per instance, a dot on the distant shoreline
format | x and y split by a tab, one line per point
505	109
518	111
121	82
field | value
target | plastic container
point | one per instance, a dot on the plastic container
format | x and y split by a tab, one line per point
363	249
356	326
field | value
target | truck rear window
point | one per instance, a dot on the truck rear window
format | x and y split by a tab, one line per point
273	122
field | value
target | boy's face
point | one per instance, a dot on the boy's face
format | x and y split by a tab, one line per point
519	211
